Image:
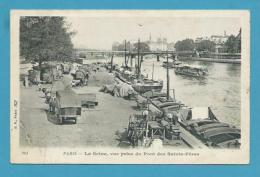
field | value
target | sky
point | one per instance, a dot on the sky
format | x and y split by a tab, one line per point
100	32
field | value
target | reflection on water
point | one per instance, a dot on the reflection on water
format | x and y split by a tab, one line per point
220	89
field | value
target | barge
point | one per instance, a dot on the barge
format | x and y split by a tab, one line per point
191	70
170	65
141	84
200	122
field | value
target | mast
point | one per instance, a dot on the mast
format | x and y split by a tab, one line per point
153	71
125	55
112	63
141	60
129	55
131	59
138	57
168	80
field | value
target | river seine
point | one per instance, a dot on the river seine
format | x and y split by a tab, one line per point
220	89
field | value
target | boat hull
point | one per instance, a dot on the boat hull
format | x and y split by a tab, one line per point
142	87
190	74
146	88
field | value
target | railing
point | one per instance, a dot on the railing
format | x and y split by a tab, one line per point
221	55
178	53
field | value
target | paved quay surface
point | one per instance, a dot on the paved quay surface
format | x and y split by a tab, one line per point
96	127
101	126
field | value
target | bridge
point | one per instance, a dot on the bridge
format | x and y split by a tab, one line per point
131	54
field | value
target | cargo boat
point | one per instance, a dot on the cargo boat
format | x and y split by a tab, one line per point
203	124
169	64
140	84
173	64
145	131
200	122
191	70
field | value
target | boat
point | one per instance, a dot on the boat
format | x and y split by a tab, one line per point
199	121
166	64
137	80
177	63
140	83
204	125
191	70
146	85
173	64
161	102
147	132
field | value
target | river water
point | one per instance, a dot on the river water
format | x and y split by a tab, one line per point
220	89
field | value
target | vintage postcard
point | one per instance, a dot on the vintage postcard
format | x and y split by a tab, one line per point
130	86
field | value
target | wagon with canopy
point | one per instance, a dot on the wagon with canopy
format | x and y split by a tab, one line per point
67	106
81	77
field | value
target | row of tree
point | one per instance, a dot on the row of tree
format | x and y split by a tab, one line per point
45	38
143	47
232	45
190	45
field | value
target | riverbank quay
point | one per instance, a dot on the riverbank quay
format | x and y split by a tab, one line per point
231	61
96	127
104	125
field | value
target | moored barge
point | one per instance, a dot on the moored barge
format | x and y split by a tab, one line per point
191	70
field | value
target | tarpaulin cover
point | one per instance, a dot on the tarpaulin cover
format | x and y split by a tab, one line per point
68	98
109	88
124	89
80	74
91	97
70	111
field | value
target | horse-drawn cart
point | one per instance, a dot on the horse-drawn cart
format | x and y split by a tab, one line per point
66	106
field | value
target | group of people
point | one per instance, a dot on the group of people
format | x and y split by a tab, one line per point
138	125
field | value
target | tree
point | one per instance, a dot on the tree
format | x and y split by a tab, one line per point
45	38
121	46
233	44
185	45
144	47
206	45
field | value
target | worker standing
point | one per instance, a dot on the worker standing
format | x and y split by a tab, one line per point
145	114
26	82
179	118
40	87
170	117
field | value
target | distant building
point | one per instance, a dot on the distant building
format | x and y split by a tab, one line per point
199	39
171	46
219	40
116	46
160	44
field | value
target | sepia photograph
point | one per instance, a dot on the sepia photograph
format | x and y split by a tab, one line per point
130	86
